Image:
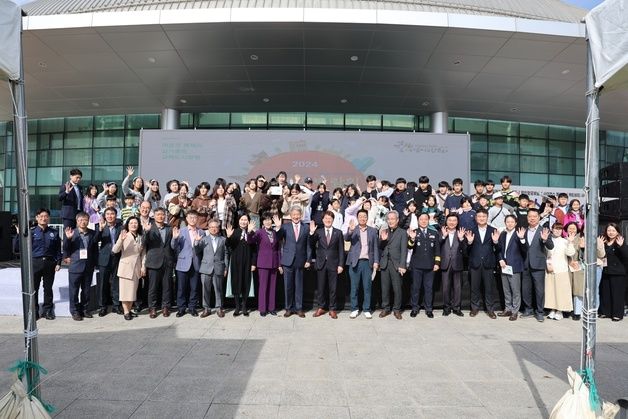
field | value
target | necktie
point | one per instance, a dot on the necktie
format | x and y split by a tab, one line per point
112	233
296	231
328	236
79	204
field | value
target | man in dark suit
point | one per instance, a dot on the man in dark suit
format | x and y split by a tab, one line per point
482	240
536	240
328	243
295	257
108	285
159	263
394	251
424	262
213	268
362	259
511	256
80	250
452	248
71	197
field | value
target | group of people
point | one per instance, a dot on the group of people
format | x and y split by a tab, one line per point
185	248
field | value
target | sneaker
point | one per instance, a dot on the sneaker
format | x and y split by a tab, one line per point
558	315
551	315
354	314
368	315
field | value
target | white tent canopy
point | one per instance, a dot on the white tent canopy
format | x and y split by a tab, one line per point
607	28
10	19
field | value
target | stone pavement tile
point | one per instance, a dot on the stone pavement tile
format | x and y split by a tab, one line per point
313	412
192	389
374	368
256	369
312	349
454	393
119	387
323	369
264	349
257	391
312	392
65	385
455	412
381	392
517	412
518	394
58	404
158	366
113	409
198	368
170	409
89	361
389	412
445	352
430	371
237	411
480	370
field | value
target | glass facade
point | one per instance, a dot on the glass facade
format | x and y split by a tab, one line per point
101	146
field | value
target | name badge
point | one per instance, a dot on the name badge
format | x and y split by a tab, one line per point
83	254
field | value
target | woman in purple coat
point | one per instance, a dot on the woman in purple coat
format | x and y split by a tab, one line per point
268	246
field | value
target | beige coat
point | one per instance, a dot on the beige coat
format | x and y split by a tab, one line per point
132	258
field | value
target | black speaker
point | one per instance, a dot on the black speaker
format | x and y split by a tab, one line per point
614	189
615	208
6	236
616	171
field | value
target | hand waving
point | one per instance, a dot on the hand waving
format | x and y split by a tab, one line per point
276	221
69	232
383	234
620	240
312	227
470	236
545	234
351	224
521	232
130	170
229	230
412	234
175	232
495	235
461	233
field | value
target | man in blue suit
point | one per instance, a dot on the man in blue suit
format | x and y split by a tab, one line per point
71	197
188	263
482	240
295	257
511	256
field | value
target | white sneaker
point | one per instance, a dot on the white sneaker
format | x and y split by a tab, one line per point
551	315
558	315
354	314
368	315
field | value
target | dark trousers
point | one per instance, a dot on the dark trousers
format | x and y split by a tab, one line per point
482	277
267	289
141	296
187	289
422	278
390	276
240	286
293	285
159	280
612	289
108	285
79	284
328	276
44	269
452	289
533	281
361	274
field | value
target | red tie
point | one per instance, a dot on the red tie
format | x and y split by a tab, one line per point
296	231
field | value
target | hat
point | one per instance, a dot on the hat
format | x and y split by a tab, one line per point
498	195
308	180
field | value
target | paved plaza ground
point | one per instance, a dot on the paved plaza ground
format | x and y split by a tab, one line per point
447	367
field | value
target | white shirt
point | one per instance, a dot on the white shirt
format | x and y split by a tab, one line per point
531	233
482	232
508	237
451	237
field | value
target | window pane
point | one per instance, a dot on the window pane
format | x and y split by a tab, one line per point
286	119
33	126
51	125
131	156
186	120
533	179
508	145
50	176
615	138
562	181
495	176
561	166
132	138
533	130
363	121
533	147
32	142
79	158
107	139
113	156
476	174
579	147
81	123
614	154
479	143
32	159
561	149
534	164
560	132
580	167
478	161
472	126
579	181
503	163
108	173
213	120
50	141
103	122
325	120
50	158
249	120
78	139
505	128
399	122
581	135
146	121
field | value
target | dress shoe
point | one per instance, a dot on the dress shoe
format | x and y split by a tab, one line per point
616	319
384	313
507	313
133	314
117	310
429	314
333	314
128	316
77	317
446	313
319	312
273	313
263	314
492	315
102	312
205	313
300	313
398	315
245	313
180	313
165	312
88	315
414	313
458	313
575	317
473	313
288	313
540	318
236	313
152	313
527	313
513	317
193	312
50	315
221	313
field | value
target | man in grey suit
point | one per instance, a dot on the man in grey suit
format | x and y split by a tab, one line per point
213	267
536	240
394	250
362	259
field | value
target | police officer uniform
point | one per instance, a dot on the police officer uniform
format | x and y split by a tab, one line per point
425	254
46	257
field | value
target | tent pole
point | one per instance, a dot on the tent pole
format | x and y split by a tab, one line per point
592	162
20	141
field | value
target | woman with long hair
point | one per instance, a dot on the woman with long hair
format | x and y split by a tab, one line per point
201	204
223	206
153	194
251	200
90	203
574	215
137	186
267	264
130	245
179	206
613	284
319	204
241	262
558	296
172	190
